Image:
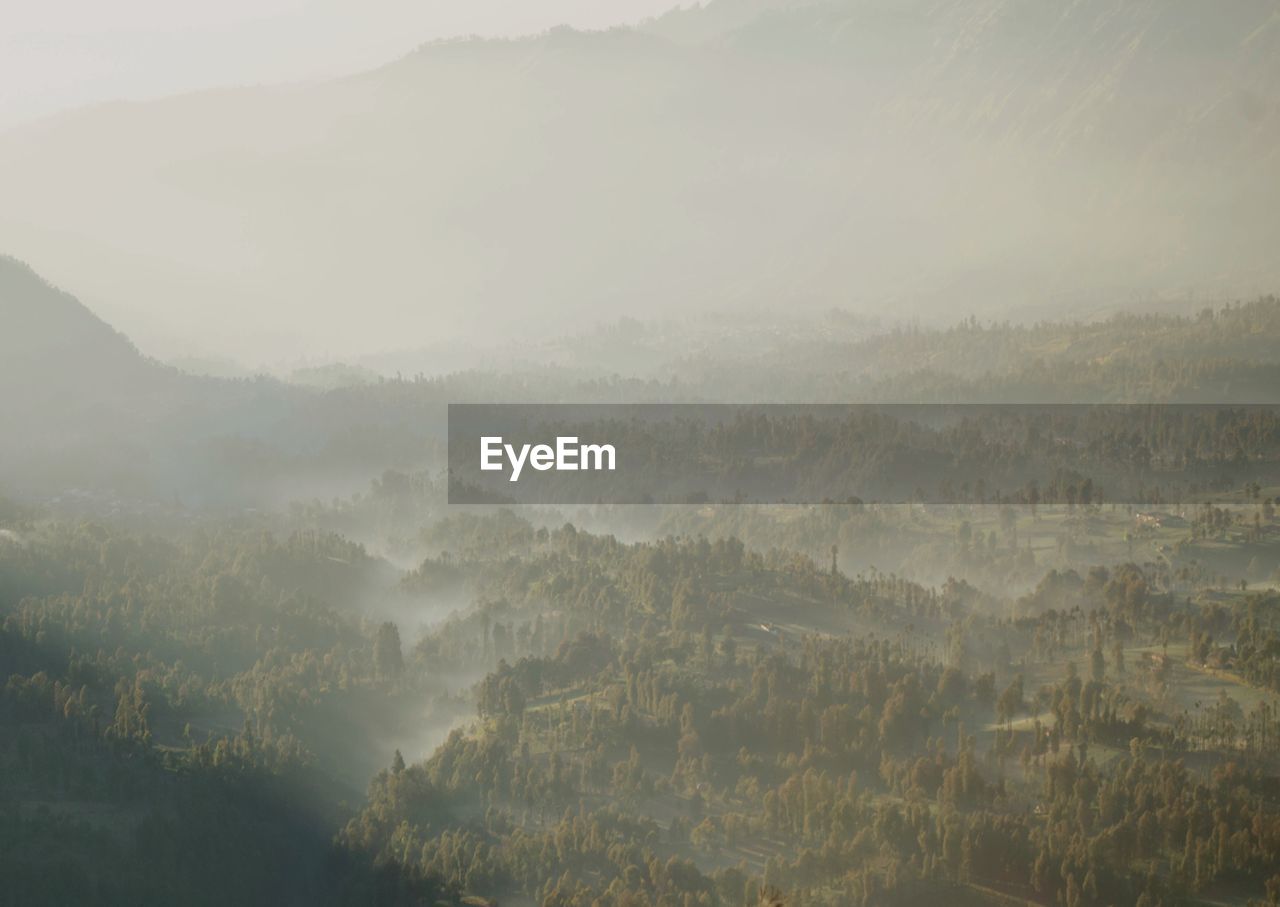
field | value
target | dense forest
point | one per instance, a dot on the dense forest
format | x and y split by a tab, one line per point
669	722
935	348
251	655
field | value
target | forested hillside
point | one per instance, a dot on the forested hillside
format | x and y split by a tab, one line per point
304	678
163	436
941	564
748	724
669	722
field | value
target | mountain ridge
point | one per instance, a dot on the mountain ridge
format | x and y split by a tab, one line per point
924	159
44	321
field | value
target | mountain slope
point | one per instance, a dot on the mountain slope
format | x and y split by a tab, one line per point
80	401
65	370
44	324
922	156
83	413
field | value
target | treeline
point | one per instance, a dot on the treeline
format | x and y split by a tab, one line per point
1214	356
1029	455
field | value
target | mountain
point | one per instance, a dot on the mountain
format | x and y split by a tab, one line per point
82	407
703	22
69	377
920	158
88	419
44	326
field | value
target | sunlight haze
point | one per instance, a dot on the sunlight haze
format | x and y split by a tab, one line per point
66	53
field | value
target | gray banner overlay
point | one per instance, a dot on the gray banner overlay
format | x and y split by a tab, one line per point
1071	454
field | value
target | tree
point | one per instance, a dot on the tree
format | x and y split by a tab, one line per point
388	661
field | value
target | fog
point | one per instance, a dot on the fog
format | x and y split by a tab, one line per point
927	160
69	53
255	650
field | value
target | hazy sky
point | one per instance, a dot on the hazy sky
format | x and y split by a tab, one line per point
56	54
